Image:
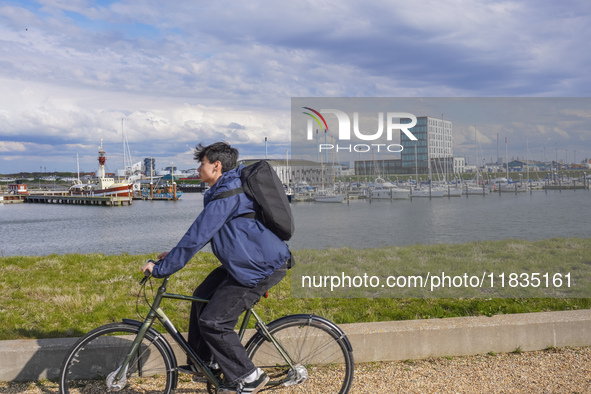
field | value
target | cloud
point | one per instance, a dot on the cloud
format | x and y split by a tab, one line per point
8	146
580	113
234	125
188	71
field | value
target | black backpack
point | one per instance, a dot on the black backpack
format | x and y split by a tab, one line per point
261	183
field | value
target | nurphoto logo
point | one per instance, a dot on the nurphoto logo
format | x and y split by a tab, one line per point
344	130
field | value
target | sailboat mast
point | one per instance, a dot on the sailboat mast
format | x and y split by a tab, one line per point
416	165
287	167
333	171
123	141
507	158
322	165
476	146
374	164
444	151
526	161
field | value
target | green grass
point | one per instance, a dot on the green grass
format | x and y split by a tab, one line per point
67	295
516	269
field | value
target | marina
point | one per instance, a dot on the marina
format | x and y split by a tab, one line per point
151	226
382	189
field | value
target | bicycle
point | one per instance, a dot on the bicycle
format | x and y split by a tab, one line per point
296	352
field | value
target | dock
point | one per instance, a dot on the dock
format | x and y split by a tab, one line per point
11	199
566	187
109	201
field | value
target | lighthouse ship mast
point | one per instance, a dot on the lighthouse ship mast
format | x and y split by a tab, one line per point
107	186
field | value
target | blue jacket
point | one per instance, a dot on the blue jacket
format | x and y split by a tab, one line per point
245	247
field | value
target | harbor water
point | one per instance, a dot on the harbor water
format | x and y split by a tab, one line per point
156	226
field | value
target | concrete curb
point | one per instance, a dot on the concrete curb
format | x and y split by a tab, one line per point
31	360
462	336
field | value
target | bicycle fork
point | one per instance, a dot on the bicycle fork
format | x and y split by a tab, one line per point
118	381
264	331
298	373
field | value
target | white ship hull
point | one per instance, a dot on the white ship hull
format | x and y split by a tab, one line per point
336	198
427	193
387	194
115	190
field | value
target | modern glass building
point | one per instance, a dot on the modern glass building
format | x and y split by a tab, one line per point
373	168
150	166
434	142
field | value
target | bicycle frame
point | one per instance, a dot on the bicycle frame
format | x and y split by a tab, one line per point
157	313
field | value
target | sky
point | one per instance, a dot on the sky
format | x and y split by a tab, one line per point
172	74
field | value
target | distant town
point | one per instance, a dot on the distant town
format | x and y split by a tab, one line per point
425	163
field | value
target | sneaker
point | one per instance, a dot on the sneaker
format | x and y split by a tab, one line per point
247	387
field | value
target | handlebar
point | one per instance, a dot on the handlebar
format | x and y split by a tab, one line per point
147	273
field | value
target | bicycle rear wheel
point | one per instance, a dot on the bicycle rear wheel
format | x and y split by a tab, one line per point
93	361
320	351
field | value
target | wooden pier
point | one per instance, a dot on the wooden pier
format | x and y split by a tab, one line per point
109	201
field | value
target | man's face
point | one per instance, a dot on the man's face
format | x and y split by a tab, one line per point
210	172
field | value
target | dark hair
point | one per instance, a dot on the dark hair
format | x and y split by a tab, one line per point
221	151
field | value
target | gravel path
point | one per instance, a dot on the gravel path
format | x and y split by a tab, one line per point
566	370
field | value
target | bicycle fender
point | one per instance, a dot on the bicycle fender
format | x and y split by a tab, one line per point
317	319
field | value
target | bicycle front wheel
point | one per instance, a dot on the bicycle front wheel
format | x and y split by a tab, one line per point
93	362
321	355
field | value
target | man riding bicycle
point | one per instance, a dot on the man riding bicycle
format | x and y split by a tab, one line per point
253	260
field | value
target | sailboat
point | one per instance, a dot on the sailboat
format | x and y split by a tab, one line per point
417	191
328	196
324	195
476	186
78	188
428	192
382	189
509	185
386	190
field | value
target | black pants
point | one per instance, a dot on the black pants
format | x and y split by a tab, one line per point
211	326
